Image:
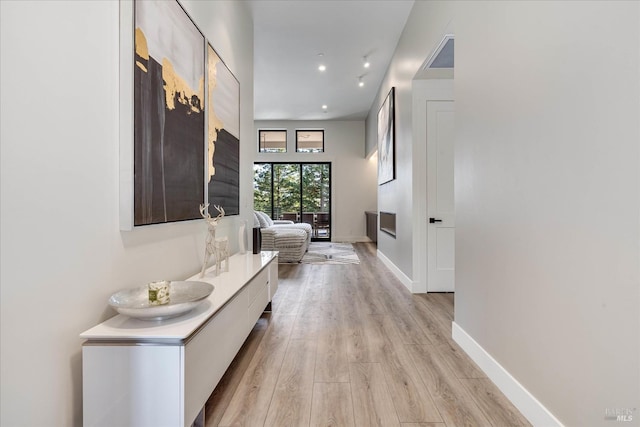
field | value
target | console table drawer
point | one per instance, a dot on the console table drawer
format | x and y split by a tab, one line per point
273	278
210	352
257	306
257	284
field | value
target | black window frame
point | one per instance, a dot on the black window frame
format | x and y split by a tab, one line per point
309	130
261	131
301	164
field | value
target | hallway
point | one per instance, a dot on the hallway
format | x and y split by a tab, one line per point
348	345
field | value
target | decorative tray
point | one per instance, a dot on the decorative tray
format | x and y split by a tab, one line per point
183	297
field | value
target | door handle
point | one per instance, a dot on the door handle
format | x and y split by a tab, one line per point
433	220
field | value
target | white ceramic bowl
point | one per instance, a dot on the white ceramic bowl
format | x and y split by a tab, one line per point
183	297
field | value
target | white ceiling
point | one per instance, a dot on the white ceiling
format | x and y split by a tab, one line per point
289	35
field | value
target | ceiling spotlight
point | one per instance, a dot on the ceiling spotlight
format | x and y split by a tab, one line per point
360	82
365	62
324	107
321	67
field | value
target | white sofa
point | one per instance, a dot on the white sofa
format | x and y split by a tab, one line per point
290	239
266	223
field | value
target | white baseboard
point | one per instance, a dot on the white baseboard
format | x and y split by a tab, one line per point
404	279
526	403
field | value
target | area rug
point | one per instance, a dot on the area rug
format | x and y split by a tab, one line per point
330	253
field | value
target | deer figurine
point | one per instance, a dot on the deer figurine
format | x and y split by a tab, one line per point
210	243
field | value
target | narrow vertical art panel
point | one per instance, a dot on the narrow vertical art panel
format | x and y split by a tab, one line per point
168	114
386	140
223	135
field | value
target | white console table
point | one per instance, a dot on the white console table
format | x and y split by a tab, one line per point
161	373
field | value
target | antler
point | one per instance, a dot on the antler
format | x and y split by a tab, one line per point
219	209
204	211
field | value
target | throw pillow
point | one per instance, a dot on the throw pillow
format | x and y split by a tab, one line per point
263	219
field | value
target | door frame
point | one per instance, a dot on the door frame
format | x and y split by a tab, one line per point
438	88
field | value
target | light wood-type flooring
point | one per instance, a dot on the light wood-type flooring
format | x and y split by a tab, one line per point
348	345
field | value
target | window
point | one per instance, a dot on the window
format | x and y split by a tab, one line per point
272	141
309	141
299	192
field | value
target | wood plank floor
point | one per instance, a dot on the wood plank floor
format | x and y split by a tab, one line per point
348	345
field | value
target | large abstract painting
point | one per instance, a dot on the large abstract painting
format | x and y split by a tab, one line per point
169	114
386	140
223	136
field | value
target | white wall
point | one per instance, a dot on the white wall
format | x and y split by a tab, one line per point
426	25
548	198
353	176
62	253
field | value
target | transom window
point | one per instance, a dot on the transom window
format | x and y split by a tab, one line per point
272	141
309	141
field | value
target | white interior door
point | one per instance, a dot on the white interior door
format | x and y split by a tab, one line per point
440	197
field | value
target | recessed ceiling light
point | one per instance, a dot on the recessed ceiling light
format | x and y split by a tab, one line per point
360	82
321	67
324	107
365	62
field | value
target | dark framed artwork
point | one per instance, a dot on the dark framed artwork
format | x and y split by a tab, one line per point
169	114
223	136
386	140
